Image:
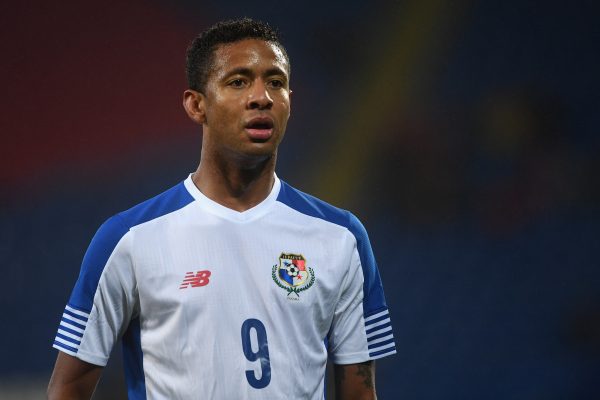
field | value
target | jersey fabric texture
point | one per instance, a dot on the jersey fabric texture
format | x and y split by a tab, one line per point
218	304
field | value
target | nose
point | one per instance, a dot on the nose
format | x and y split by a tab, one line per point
259	97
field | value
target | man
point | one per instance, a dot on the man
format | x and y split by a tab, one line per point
232	284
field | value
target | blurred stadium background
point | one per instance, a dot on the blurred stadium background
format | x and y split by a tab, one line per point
464	134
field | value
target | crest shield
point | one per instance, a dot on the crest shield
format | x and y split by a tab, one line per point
292	274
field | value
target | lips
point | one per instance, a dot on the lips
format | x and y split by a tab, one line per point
259	128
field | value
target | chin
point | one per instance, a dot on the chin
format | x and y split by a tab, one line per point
262	151
256	153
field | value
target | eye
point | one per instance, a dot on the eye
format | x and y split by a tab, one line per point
236	83
276	83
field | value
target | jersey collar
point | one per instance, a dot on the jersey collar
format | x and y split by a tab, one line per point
215	208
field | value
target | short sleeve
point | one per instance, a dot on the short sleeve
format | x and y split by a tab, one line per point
361	328
103	300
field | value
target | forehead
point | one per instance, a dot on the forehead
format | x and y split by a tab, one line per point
253	54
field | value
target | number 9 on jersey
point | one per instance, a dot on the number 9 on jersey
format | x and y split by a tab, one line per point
261	355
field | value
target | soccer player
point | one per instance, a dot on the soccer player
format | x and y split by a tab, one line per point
232	284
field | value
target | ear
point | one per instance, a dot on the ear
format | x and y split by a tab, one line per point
193	102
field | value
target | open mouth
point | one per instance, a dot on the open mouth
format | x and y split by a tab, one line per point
260	128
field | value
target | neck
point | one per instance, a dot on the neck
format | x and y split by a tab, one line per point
234	183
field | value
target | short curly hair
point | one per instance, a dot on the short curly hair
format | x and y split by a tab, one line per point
199	55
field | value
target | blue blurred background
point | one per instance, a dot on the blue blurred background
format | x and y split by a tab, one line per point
464	134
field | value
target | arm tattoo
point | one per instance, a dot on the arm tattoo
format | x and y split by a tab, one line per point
364	370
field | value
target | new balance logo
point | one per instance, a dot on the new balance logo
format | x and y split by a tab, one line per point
197	279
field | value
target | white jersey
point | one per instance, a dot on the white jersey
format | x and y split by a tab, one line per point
212	303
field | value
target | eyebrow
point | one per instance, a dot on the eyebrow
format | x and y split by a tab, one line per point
248	72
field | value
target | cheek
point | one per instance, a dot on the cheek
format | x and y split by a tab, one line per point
221	110
284	106
223	114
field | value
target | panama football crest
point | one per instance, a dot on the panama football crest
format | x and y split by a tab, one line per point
292	274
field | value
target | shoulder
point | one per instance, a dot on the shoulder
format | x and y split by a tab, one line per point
111	245
317	208
165	203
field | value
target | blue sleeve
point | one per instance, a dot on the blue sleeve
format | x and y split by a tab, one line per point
374	299
101	247
79	324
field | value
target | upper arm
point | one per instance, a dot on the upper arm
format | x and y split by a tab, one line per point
98	310
73	378
355	381
361	328
103	300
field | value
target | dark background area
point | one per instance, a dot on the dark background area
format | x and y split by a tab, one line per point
463	134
